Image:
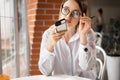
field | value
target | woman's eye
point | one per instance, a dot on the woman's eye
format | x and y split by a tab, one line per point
66	10
75	14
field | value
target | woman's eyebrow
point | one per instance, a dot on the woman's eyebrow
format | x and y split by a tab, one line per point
66	6
69	8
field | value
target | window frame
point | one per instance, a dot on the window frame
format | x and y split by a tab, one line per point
17	48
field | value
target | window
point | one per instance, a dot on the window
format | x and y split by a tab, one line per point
14	48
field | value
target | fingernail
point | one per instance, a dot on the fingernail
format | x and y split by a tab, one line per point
83	14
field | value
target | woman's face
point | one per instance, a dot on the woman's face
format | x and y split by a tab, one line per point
71	12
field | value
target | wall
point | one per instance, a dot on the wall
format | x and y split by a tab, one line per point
41	14
108	12
110	8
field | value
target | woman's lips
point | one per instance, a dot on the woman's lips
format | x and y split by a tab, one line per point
68	21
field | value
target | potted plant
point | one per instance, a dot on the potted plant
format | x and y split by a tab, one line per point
111	44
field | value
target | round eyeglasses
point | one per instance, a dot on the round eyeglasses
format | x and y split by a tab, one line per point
75	13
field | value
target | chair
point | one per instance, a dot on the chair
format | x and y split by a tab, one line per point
98	38
101	61
99	68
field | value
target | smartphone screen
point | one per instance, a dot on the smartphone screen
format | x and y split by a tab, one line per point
61	25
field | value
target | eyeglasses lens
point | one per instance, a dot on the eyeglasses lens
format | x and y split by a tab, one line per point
66	11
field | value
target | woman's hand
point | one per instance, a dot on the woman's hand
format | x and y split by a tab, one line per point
53	38
84	28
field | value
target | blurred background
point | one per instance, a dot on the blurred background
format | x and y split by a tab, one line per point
22	23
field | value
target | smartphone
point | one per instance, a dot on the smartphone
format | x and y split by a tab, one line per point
61	25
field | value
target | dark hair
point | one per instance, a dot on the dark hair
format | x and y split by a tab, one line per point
100	10
82	4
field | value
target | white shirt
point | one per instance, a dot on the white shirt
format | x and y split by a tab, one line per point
71	58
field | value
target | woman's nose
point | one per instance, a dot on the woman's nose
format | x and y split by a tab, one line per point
68	16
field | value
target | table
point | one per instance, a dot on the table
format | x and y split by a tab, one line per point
55	77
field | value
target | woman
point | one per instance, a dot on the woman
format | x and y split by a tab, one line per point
70	52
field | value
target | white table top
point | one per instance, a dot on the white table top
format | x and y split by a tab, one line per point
56	77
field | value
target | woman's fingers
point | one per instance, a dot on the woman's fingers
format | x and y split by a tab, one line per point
85	20
53	30
85	24
59	33
56	35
